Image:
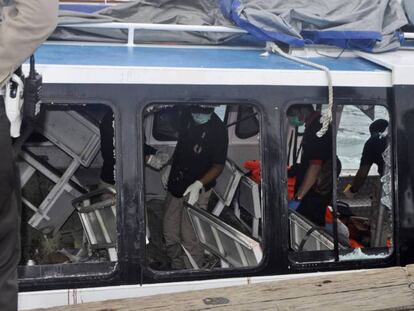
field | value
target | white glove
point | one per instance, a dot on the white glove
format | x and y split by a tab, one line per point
194	191
165	175
13	105
158	160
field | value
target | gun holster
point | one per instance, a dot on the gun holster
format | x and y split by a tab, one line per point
13	102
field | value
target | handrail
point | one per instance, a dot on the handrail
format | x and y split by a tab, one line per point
131	27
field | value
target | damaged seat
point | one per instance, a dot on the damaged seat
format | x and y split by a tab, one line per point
248	200
78	138
97	211
234	248
226	186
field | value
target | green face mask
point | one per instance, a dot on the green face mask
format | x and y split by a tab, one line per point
295	121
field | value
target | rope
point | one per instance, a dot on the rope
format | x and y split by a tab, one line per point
326	118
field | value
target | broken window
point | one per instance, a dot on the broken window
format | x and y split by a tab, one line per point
221	226
66	165
339	184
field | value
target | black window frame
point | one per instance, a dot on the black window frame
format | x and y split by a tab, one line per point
312	258
34	276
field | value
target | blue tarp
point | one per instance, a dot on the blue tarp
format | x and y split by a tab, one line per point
369	25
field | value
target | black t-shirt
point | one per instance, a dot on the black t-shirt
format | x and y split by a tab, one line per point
373	150
198	148
316	150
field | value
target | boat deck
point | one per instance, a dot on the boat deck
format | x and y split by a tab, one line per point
376	289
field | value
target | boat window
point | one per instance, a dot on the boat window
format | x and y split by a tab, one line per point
355	173
66	168
194	222
248	123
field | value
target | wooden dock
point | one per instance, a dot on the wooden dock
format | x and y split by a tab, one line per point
376	289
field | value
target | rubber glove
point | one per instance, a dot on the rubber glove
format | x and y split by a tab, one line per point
158	160
165	175
194	191
293	204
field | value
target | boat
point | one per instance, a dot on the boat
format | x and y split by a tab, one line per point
86	241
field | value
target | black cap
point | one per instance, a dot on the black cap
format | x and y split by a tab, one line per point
378	126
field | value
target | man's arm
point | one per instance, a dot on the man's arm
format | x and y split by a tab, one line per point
24	27
212	174
310	178
360	177
367	159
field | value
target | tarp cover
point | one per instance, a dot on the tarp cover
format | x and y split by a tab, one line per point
409	10
370	25
181	12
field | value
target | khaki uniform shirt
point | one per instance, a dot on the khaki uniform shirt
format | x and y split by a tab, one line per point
24	25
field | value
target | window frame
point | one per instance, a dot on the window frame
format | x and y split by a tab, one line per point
83	272
329	256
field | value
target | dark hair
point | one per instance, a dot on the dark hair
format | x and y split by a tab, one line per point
201	109
378	126
292	109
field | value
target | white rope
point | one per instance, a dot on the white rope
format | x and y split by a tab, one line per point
326	118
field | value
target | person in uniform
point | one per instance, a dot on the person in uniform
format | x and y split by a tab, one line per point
198	159
24	25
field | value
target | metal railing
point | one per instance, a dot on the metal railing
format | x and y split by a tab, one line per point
131	27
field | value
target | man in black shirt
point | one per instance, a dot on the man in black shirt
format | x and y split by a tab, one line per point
372	154
313	188
198	160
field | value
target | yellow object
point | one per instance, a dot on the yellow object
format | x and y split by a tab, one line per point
347	188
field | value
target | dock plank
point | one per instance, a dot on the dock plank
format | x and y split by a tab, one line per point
376	289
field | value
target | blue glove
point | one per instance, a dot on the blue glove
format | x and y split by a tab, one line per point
294	204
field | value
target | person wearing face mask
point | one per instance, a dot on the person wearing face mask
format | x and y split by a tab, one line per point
313	188
198	159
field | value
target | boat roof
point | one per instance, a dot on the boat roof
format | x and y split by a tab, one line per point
158	64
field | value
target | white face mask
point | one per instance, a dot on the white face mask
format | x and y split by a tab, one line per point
201	118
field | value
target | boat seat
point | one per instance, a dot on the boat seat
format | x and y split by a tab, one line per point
248	200
234	248
97	211
79	139
226	186
306	236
